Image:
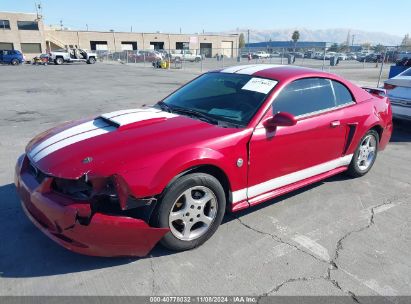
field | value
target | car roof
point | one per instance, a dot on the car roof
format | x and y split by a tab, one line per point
277	72
286	73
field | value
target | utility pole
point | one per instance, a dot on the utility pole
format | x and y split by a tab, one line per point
131	29
352	42
248	40
61	25
87	27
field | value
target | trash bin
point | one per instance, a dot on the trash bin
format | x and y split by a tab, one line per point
333	61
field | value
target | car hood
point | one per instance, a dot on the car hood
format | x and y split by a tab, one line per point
115	141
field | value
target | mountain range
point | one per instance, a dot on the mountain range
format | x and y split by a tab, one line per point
337	35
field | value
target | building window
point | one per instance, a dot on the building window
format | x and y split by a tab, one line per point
31	48
182	45
28	25
6	46
157	45
129	46
5	24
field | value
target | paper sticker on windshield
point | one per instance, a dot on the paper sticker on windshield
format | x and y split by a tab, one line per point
260	85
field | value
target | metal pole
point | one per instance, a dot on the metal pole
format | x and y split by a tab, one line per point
282	56
248	41
325	51
382	65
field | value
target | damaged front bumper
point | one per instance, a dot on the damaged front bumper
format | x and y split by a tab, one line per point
60	219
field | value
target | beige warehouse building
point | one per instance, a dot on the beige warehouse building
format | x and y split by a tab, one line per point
26	32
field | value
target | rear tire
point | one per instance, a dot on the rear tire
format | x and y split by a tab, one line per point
15	62
59	61
365	155
193	207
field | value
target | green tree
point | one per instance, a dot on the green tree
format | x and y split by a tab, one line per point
406	41
241	41
334	48
379	48
295	37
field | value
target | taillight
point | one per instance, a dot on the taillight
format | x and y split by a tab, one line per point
388	86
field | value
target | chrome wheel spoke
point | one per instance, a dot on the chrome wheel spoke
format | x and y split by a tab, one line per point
187	229
204	200
178	215
206	220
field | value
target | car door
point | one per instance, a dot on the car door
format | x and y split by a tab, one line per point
1	56
7	56
311	147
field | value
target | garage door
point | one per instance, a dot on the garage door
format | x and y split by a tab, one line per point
6	46
98	45
227	48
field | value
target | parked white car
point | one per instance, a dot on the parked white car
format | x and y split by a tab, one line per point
342	56
399	91
261	55
185	55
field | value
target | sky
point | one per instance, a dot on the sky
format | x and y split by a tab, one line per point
194	16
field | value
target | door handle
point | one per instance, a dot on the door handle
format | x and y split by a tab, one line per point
335	123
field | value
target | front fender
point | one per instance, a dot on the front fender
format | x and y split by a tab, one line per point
152	179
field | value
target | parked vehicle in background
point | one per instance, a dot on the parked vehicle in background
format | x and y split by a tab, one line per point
399	91
373	58
12	57
351	56
185	55
261	55
342	56
145	56
309	54
42	59
329	55
72	55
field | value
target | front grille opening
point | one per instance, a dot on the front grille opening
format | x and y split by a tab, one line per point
75	189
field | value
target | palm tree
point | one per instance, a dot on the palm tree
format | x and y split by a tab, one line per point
295	37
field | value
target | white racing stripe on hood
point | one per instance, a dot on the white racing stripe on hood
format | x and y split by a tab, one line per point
137	116
84	127
249	69
94	128
71	140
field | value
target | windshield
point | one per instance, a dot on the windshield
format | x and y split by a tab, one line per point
232	98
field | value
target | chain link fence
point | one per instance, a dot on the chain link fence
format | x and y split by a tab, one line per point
375	64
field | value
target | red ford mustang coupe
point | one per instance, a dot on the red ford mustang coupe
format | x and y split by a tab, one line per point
117	184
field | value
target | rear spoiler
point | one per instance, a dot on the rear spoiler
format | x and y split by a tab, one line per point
376	91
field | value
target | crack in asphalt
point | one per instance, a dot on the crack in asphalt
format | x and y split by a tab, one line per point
332	263
153	281
280	240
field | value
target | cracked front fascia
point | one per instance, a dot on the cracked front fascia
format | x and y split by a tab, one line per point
333	266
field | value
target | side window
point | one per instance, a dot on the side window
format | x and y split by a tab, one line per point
305	96
342	94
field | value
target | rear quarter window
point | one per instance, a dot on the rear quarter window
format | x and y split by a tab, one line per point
342	94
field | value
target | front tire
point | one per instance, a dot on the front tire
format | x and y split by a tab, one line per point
193	207
365	155
15	62
91	60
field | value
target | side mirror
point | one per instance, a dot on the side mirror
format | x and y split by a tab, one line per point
281	119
